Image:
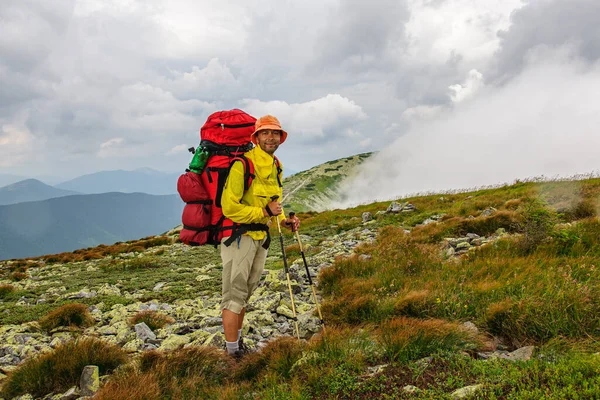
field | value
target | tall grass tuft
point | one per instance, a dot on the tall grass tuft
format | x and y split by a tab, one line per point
406	339
60	369
153	319
277	357
68	315
190	373
5	290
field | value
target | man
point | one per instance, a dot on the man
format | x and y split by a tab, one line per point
244	256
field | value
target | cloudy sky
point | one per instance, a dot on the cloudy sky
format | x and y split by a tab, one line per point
451	92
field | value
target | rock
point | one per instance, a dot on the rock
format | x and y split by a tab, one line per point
488	212
463	246
477	242
159	287
285	311
410	389
133	346
173	342
70	394
394	208
466	391
450	252
376	369
522	354
90	380
364	257
470	327
367	216
143	332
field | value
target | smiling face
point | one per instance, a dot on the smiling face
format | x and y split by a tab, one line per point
268	140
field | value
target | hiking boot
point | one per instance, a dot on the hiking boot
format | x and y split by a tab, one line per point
243	348
237	355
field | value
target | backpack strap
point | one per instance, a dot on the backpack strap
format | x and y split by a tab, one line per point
279	170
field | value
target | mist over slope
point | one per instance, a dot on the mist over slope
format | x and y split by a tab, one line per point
544	122
316	188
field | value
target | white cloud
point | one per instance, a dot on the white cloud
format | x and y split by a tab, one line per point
322	119
543	123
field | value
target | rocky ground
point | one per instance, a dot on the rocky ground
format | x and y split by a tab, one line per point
184	284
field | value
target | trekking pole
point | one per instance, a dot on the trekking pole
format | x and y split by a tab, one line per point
287	271
314	292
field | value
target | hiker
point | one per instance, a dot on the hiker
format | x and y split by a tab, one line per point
244	253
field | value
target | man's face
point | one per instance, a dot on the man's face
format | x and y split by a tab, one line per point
268	140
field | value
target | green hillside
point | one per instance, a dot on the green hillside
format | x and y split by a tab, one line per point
314	189
493	294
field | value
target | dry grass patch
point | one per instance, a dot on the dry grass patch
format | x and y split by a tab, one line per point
277	357
153	319
69	315
60	369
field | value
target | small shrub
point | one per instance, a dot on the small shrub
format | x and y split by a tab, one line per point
71	315
61	368
581	210
536	226
5	290
153	319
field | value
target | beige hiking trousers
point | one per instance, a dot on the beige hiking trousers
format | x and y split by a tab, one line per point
243	265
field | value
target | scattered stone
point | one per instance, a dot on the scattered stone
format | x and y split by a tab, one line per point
465	392
143	332
410	389
90	380
488	212
463	246
367	216
174	342
521	354
376	369
70	394
365	257
471	328
159	287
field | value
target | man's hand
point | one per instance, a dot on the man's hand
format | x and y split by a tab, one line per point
292	222
274	207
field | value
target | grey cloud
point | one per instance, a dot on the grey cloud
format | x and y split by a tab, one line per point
551	23
360	35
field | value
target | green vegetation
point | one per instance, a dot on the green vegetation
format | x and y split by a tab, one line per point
61	368
536	282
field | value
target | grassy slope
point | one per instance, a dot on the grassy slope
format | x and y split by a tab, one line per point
313	189
538	285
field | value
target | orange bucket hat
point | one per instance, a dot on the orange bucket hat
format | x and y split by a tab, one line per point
268	122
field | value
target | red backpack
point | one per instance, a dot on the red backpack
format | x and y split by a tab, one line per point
226	137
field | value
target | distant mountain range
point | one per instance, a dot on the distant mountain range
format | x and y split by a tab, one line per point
143	180
30	190
73	222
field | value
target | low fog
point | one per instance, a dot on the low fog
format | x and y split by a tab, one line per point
543	122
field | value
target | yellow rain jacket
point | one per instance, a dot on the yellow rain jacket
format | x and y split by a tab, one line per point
247	208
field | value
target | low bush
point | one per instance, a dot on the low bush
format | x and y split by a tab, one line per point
153	319
69	315
60	369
